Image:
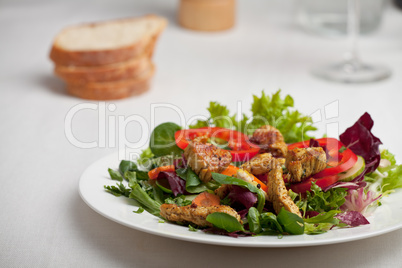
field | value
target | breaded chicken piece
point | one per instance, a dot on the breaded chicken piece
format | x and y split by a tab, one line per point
270	140
305	162
246	176
277	192
194	214
259	164
205	158
223	190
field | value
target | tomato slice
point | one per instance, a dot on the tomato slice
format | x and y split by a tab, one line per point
340	158
305	186
236	143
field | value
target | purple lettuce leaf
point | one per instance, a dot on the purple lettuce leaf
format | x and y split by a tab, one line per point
362	142
311	213
243	196
352	218
180	162
351	185
358	200
177	184
243	213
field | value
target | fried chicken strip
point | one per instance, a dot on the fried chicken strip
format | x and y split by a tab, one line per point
277	192
194	214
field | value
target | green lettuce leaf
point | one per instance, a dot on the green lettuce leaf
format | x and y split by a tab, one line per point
266	110
322	222
393	180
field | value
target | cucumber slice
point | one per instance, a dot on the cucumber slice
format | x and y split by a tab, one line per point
354	171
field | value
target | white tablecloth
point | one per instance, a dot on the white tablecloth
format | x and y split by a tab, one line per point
44	222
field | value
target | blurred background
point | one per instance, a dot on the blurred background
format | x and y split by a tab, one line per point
271	45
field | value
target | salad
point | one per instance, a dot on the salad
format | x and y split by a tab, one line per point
263	175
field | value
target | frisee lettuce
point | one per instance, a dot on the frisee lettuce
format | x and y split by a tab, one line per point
387	177
266	110
318	200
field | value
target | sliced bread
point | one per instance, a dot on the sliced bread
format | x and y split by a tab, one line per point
110	72
112	90
106	42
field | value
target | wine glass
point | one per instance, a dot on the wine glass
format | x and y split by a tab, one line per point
352	70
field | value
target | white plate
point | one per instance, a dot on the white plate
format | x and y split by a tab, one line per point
385	218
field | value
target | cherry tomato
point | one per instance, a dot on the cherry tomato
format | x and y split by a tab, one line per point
302	187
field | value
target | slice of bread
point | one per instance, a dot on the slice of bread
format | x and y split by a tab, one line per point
112	90
110	72
106	42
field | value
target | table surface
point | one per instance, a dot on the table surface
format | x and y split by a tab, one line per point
45	223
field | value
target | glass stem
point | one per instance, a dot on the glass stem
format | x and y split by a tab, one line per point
354	32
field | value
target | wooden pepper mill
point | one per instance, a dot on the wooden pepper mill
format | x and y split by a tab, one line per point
207	15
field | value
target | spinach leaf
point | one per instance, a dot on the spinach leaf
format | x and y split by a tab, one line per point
198	189
115	175
193	183
269	222
223	179
225	221
142	175
291	222
253	218
162	140
192	178
189	176
126	165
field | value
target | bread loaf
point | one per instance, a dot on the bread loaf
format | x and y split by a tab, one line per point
106	42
